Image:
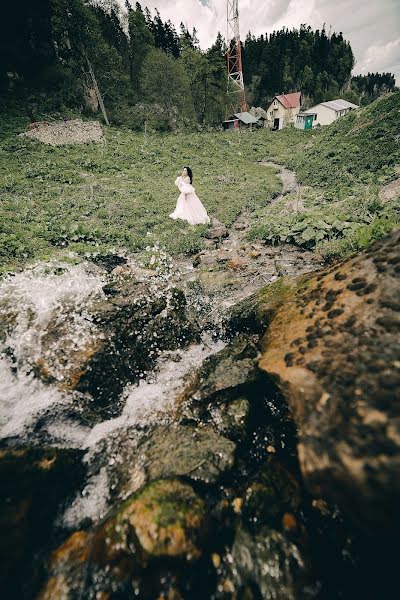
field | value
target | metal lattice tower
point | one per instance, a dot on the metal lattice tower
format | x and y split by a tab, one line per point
236	99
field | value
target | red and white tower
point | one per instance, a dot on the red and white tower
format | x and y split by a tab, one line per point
236	99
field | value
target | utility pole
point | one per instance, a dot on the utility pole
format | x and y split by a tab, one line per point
236	99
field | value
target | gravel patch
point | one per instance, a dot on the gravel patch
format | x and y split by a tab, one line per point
61	133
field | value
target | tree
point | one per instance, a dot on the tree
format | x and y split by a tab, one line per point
165	82
141	41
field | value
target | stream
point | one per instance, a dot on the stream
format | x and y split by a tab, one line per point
129	376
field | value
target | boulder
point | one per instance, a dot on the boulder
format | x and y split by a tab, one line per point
267	564
137	323
217	231
166	519
332	347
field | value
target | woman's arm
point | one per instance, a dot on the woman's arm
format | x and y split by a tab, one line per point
185	188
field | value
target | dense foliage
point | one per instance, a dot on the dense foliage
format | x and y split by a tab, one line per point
285	61
54	53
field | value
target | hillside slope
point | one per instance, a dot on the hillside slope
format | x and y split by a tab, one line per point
342	169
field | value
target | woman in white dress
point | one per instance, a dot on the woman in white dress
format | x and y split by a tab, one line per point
189	208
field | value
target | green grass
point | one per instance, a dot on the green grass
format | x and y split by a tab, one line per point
119	193
341	168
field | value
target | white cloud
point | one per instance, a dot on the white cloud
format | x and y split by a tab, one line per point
371	27
384	57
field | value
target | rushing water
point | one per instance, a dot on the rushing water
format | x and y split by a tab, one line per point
55	296
35	306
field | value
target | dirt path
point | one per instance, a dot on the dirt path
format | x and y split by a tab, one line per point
287	177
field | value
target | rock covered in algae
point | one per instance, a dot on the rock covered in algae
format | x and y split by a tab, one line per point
166	519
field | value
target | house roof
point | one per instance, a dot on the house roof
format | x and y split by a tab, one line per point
289	100
246	118
335	105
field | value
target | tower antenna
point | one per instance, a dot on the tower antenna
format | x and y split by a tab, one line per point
236	98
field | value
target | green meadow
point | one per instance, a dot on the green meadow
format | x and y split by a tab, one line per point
119	192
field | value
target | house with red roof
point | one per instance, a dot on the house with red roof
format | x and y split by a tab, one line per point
283	110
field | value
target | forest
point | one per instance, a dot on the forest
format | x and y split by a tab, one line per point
54	53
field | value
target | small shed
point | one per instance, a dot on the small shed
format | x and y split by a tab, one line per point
238	121
304	120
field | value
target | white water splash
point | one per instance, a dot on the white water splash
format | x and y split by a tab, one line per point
155	397
34	304
91	503
21	398
48	294
151	402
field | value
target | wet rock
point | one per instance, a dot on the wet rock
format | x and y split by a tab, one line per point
166	520
332	348
253	314
181	450
231	367
135	323
231	418
198	453
34	483
267	565
273	493
218	392
109	261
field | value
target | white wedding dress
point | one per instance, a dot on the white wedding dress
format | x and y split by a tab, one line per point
189	208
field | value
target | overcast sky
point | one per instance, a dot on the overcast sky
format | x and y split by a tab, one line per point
371	26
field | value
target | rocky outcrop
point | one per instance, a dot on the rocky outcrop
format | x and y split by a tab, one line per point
269	562
98	342
62	133
332	346
137	322
167	519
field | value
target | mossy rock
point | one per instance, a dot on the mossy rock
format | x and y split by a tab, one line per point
274	491
253	314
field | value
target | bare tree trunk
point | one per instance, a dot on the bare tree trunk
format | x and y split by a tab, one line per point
96	88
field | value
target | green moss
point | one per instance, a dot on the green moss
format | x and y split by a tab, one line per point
255	313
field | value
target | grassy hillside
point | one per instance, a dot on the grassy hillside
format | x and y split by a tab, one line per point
342	169
94	197
120	192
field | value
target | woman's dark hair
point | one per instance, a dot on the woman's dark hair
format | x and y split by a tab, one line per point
189	170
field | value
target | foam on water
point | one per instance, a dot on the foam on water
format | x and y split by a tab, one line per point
49	292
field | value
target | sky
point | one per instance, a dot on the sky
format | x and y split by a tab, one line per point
371	26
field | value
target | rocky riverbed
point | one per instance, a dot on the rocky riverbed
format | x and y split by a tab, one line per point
221	426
